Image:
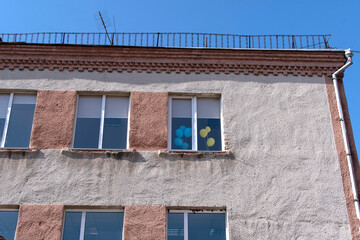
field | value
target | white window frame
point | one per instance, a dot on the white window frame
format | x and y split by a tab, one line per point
7	120
83	219
102	117
193	122
186	219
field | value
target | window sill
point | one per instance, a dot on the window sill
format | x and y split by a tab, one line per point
166	153
18	150
108	152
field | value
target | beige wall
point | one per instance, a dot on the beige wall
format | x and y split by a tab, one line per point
281	181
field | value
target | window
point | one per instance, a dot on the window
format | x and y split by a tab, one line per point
102	122
195	124
193	225
93	225
16	118
8	222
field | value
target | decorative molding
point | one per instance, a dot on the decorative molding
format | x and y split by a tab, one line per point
188	60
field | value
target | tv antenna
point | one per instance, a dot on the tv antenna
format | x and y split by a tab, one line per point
104	25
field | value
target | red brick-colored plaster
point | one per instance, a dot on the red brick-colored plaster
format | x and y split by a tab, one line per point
142	59
40	222
339	141
53	120
145	222
148	121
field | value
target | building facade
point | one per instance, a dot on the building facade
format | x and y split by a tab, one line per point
160	137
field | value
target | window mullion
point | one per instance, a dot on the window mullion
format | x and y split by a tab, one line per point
7	120
194	123
186	226
170	123
101	132
82	225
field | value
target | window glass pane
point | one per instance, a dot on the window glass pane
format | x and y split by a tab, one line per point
4	101
208	107
72	226
175	229
8	221
103	225
20	122
88	122
115	122
207	226
208	124
181	123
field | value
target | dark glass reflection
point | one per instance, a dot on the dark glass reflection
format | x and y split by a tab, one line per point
181	133
87	133
209	134
115	133
72	226
175	229
103	226
20	124
8	221
207	226
2	124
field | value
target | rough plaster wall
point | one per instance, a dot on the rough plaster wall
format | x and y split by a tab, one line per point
40	222
148	121
53	119
145	222
282	180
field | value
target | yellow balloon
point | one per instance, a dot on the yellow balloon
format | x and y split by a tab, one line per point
210	142
203	133
208	129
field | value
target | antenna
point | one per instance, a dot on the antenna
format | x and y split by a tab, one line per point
103	23
114	23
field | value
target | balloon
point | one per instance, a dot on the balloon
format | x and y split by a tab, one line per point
178	142
210	142
208	129
179	133
182	127
187	132
185	145
203	133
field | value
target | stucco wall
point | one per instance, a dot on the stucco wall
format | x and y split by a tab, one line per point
281	181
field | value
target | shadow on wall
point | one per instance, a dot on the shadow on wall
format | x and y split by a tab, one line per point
149	78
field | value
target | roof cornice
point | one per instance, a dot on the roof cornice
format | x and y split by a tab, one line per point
147	59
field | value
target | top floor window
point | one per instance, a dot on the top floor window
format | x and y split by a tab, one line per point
16	118
102	122
195	124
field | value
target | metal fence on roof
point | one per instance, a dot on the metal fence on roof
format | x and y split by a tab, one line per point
177	40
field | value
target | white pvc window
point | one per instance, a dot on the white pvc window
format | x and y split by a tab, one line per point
193	225
8	222
195	124
102	122
16	119
93	224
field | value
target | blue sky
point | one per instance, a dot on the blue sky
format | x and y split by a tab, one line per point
339	18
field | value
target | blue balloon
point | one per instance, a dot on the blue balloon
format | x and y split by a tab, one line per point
178	142
185	145
187	132
182	127
179	133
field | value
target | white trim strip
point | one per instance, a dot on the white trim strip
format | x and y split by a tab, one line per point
186	226
128	125
82	226
102	119
194	124
75	121
169	123
3	139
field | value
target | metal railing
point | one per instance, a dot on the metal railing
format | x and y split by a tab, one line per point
180	40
